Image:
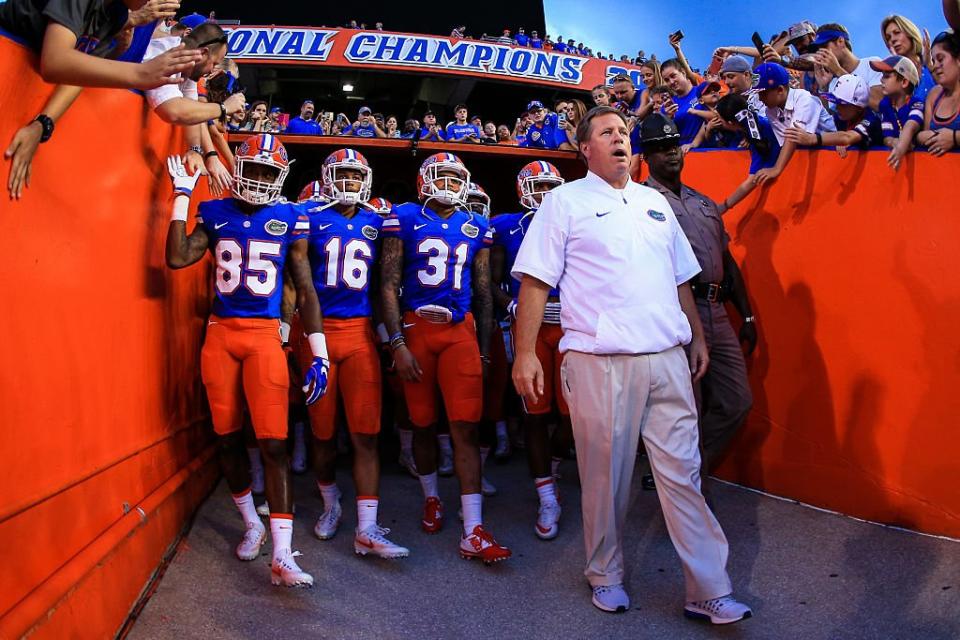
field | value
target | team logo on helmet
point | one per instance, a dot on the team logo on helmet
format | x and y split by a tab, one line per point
276	227
264	150
449	190
534	180
336	187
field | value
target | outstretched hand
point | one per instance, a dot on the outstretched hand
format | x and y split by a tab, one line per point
183	182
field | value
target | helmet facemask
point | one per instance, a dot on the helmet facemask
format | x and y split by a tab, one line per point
530	197
255	190
447	190
337	187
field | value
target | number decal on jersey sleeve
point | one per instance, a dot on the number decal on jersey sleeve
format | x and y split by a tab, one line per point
352	265
262	279
438	252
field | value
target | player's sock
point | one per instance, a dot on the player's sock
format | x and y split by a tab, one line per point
555	466
245	506
429	483
472	505
366	511
502	435
330	494
406	442
444	440
281	530
545	490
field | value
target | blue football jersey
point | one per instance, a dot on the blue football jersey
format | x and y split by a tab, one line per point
438	255
460	130
342	253
250	251
508	232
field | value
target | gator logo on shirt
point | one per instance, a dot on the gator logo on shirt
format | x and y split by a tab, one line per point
656	215
470	230
369	232
276	227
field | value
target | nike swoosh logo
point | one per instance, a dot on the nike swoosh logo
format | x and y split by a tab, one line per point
407	326
417	227
513	231
217	226
600	215
322	227
368	545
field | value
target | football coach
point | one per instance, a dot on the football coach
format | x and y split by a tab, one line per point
623	266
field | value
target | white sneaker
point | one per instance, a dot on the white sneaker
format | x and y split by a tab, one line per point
328	522
487	488
373	540
284	570
253	539
257	483
407	462
548	519
724	610
298	461
611	598
446	463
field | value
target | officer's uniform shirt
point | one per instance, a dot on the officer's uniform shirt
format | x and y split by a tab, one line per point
592	241
702	224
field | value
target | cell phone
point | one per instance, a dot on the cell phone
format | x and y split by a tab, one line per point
677	35
561	117
758	42
328	116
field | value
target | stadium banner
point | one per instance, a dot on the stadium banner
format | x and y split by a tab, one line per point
350	48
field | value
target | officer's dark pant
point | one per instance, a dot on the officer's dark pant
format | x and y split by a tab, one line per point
723	395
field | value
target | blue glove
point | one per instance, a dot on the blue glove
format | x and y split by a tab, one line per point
315	381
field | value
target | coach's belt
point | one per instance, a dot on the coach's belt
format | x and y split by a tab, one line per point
435	313
709	291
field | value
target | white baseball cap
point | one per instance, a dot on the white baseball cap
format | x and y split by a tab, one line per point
851	89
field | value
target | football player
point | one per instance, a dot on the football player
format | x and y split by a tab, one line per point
344	241
253	236
533	181
439	252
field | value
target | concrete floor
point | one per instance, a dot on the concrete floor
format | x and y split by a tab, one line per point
807	574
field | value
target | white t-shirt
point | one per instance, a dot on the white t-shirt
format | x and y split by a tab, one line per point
865	71
186	88
802	108
617	257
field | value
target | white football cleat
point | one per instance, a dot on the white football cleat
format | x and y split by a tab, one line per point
487	488
328	522
284	570
253	539
548	519
373	540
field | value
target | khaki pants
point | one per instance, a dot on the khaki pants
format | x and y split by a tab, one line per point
613	400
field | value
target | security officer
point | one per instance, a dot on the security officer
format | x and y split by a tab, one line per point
724	392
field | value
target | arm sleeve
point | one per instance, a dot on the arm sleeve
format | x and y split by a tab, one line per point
542	253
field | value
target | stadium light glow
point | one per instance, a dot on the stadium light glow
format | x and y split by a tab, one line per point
348	87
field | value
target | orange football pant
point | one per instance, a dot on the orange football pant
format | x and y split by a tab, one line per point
354	374
243	357
449	357
548	353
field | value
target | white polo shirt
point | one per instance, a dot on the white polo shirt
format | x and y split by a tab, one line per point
186	88
617	257
801	107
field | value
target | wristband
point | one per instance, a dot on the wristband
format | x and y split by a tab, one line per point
318	345
382	333
223	112
46	123
211	154
819	139
180	207
197	149
284	332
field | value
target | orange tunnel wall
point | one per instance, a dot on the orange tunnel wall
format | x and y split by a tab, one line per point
104	452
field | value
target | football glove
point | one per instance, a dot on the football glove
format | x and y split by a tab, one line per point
183	182
315	382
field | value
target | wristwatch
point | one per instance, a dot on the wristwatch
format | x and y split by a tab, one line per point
197	149
47	123
223	112
749	319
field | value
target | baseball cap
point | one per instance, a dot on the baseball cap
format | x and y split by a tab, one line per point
305	103
534	104
851	89
735	64
827	35
771	75
800	29
275	110
703	87
364	110
192	21
658	128
898	64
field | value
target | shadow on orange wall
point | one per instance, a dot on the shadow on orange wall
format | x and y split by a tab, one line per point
106	452
850	269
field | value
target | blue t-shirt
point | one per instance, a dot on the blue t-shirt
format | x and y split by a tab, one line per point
460	130
425	132
687	123
758	159
299	126
926	83
508	232
438	255
361	131
559	46
536	43
870	129
250	251
545	135
522	39
342	254
893	120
